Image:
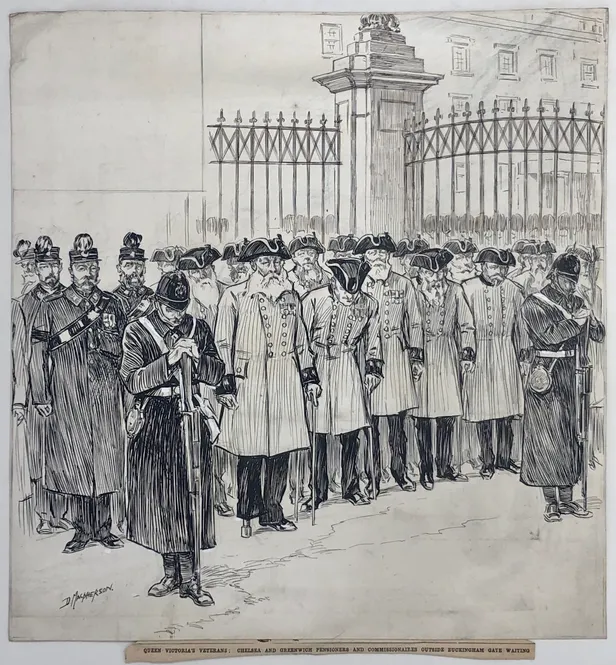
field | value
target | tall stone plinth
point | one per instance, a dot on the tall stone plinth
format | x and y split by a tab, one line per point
378	87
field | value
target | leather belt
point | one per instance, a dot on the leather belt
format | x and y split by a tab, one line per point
168	391
555	354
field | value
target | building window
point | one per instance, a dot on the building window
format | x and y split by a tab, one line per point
504	103
507	62
588	73
331	39
547	66
458	102
460	55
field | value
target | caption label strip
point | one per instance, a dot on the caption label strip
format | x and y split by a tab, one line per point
176	652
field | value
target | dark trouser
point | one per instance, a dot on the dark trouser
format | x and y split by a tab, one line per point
178	565
444	454
220	464
504	437
397	446
252	501
350	469
564	493
48	505
92	516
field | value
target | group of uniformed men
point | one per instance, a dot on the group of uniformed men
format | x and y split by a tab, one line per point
285	362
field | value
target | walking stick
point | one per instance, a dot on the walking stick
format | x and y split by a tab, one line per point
371	460
296	502
313	463
191	438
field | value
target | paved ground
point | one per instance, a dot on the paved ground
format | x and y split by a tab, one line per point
467	560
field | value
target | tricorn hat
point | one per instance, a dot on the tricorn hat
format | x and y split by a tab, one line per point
198	258
131	248
519	245
546	247
83	249
232	250
380	241
432	259
461	246
346	243
588	254
24	251
350	272
264	247
167	255
567	265
174	290
44	250
406	246
501	257
306	241
527	247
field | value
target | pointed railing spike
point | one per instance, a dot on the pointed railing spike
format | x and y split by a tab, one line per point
308	120
266	119
238	118
221	118
323	120
253	118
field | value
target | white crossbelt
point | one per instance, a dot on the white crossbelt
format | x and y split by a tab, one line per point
555	354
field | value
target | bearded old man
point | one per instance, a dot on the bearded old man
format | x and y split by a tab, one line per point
493	393
205	293
269	373
449	344
342	246
405	250
238	272
24	255
559	324
402	348
76	351
135	297
50	508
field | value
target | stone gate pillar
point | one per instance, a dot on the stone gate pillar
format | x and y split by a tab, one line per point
378	86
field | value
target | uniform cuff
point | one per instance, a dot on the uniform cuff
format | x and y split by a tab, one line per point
417	354
467	354
374	366
228	385
309	375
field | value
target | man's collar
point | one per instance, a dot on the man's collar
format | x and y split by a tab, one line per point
78	298
383	275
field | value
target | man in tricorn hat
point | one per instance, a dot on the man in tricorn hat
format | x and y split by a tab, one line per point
238	272
205	293
50	507
24	258
76	350
159	506
338	318
532	277
307	274
405	250
493	394
559	324
342	246
402	352
269	372
462	266
133	294
167	259
449	341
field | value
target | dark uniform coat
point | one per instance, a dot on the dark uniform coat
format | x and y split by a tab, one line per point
83	452
494	389
37	426
449	334
158	513
131	298
551	454
401	335
19	351
335	331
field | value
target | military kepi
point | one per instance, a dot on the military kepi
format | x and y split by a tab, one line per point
83	249
500	257
173	290
24	251
264	247
44	250
381	241
198	258
131	248
349	272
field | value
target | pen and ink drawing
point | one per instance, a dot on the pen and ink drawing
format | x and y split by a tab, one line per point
371	331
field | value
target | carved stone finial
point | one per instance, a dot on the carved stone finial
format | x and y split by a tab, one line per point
386	22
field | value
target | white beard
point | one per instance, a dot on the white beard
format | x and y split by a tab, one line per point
206	292
434	291
309	276
271	286
380	271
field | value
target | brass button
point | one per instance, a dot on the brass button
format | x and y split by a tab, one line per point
283	354
283	343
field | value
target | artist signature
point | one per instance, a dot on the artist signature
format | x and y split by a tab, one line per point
81	596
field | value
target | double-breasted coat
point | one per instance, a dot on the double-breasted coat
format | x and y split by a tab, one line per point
158	509
494	389
37	426
551	453
401	334
335	331
449	338
264	345
76	351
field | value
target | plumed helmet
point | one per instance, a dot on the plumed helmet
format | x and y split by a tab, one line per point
83	249
131	248
44	250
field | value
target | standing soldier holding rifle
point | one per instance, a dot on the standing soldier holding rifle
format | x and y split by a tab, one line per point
169	452
554	446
